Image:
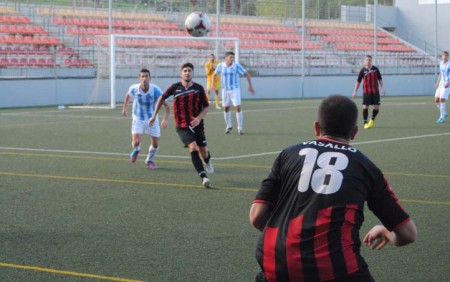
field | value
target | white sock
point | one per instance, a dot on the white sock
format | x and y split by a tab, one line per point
438	105
227	117
239	118
138	147
151	153
443	110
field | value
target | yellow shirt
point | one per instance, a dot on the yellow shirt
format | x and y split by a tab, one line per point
210	68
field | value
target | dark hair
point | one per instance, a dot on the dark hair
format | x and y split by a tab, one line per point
144	70
337	116
368	56
187	65
229	53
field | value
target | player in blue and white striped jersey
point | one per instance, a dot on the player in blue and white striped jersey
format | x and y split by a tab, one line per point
144	95
231	92
442	87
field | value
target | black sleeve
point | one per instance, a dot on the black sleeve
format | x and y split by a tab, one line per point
385	205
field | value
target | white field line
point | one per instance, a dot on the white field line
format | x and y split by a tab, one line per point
52	113
216	158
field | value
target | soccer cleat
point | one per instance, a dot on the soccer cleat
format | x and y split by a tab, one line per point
366	125
206	182
209	167
440	120
228	130
445	115
151	164
219	108
370	123
240	132
133	156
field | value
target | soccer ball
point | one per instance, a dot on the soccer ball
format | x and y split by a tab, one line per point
197	24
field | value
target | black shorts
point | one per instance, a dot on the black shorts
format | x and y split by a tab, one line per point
363	276
371	99
189	135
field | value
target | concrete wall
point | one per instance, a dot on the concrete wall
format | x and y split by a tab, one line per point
45	92
416	22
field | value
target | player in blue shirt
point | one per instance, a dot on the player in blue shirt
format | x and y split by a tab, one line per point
442	87
231	92
144	95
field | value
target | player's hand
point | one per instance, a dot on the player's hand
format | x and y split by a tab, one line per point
195	122
377	237
151	121
164	123
353	95
124	112
251	90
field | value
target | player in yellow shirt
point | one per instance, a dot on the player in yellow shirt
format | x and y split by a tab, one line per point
210	67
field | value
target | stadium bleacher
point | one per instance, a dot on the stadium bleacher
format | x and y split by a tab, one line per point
62	42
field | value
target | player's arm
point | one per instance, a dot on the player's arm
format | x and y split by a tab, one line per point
357	84
166	115
125	104
196	120
436	85
383	92
159	103
259	215
401	235
250	86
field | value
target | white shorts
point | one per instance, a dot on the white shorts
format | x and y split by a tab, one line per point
231	97
442	92
141	127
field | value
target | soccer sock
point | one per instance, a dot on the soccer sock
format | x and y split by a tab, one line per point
374	113
207	96
227	117
207	158
217	100
239	120
438	105
152	152
365	114
197	162
442	109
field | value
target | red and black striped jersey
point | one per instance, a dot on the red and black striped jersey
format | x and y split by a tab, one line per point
187	102
370	78
318	190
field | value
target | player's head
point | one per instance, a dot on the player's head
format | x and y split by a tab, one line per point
144	76
367	60
337	116
212	57
229	58
144	70
187	70
444	55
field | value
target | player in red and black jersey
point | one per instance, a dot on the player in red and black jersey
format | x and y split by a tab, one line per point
310	206
370	76
190	105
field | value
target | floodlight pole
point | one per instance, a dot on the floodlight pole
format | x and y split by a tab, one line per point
436	38
112	49
216	50
375	39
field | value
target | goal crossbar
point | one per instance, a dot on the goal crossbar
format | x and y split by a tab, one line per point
112	46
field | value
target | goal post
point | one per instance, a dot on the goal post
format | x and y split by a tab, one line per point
193	48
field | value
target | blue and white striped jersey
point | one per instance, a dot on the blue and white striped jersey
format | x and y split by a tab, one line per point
144	103
444	68
229	76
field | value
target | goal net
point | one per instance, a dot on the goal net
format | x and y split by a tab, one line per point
119	58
